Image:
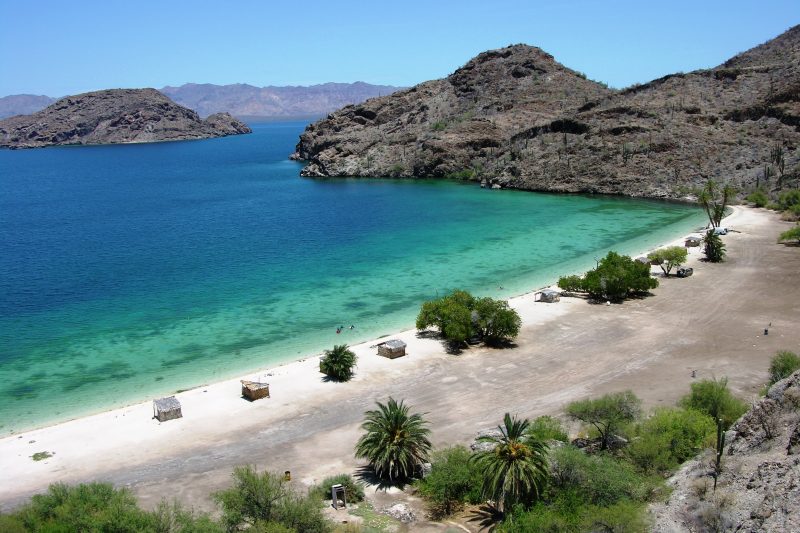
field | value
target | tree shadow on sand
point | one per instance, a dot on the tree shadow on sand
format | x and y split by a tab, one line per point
486	517
367	475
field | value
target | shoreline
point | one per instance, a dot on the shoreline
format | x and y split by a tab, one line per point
126	445
233	375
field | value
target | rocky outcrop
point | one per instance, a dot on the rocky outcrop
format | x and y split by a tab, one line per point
114	116
759	487
516	118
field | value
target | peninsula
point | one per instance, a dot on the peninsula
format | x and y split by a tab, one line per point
516	118
111	117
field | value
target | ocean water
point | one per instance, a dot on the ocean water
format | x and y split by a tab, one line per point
133	271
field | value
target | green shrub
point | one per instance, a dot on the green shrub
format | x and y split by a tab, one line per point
669	437
782	366
712	397
496	321
788	199
570	283
439	125
790	235
758	198
617	277
548	428
260	498
599	479
453	481
353	491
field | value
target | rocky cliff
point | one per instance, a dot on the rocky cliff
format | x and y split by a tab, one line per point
516	118
759	486
114	116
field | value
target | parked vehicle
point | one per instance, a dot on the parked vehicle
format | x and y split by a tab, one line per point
685	272
720	231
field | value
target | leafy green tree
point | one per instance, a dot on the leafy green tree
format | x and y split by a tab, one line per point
758	198
782	366
617	276
338	363
712	397
257	500
496	321
516	470
713	247
571	283
714	198
790	235
669	257
668	438
607	414
395	442
454	480
451	314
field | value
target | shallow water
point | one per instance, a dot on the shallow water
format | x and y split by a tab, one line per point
130	271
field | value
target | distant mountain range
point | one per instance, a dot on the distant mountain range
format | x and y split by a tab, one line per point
240	100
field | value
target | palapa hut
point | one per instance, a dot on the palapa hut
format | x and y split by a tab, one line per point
643	260
254	390
692	241
392	349
548	296
167	409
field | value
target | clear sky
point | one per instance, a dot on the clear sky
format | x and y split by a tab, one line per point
65	47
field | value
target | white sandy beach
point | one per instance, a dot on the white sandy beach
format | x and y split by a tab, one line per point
565	351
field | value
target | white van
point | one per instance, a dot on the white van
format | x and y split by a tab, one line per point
720	231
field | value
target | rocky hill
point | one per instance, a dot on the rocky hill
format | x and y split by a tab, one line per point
23	104
114	116
516	118
759	486
242	100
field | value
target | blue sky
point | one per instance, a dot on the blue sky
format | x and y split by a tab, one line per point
59	47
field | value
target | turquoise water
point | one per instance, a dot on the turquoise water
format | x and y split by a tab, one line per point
131	271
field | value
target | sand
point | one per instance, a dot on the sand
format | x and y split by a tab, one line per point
711	323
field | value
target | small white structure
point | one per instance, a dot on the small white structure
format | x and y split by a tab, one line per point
167	409
547	295
392	349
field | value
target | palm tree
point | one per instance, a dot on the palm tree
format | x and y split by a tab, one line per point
395	443
338	363
515	470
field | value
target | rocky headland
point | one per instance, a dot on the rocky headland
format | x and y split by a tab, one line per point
114	116
516	118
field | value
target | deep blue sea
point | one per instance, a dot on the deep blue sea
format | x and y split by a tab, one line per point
135	270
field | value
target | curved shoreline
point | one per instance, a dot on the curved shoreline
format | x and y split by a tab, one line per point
118	444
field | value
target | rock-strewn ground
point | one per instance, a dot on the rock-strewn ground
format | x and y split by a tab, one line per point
516	118
114	116
759	487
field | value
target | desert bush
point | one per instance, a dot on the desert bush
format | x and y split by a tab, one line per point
453	481
790	235
353	491
607	414
459	316
758	198
570	515
712	397
668	438
256	499
496	321
548	428
783	364
789	199
599	479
